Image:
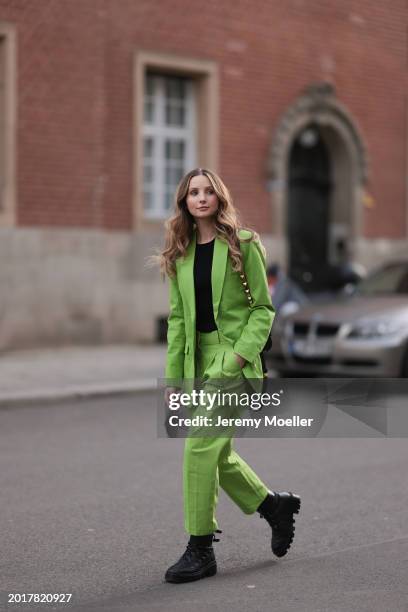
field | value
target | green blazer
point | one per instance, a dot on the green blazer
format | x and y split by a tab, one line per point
245	326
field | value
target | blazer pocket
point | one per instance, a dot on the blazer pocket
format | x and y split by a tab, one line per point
229	364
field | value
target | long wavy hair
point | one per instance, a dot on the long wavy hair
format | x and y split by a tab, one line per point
180	226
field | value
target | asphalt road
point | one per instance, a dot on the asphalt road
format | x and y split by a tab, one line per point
91	505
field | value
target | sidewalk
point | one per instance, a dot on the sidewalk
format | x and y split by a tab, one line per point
68	372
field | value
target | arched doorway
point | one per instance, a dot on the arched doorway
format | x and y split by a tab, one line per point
309	204
317	170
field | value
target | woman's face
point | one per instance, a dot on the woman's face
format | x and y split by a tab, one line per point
202	201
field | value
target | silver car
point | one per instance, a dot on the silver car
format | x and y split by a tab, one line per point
363	334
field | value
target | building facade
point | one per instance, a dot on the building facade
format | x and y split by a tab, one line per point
301	106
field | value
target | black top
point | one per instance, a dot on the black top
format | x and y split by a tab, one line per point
202	284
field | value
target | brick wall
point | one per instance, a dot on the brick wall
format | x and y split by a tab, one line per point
75	57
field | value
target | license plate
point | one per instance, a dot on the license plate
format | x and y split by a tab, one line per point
307	349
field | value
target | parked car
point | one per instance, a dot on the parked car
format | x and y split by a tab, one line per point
363	334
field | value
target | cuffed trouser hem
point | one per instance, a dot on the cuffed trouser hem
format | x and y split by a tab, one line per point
257	501
193	532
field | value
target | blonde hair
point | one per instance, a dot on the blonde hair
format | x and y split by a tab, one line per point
180	226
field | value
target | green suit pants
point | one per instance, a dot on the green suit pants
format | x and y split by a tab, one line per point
209	461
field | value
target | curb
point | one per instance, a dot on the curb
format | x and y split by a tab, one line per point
76	392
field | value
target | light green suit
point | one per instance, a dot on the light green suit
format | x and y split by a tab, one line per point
244	327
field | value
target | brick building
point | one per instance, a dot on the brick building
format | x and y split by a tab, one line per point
301	106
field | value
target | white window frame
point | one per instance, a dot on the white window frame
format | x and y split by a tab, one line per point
159	131
205	75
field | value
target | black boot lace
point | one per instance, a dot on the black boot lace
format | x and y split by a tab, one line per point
214	538
194	551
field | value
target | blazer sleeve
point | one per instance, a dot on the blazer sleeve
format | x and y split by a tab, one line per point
255	333
176	334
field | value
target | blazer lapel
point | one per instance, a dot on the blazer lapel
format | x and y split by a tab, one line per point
186	278
218	272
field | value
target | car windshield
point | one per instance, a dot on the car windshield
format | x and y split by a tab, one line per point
392	279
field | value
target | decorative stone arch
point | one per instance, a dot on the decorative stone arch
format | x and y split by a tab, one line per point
318	105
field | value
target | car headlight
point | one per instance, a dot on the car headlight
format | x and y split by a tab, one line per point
375	329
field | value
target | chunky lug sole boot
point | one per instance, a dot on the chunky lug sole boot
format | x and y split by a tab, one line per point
198	560
281	519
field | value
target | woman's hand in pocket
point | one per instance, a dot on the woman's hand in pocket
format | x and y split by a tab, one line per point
240	360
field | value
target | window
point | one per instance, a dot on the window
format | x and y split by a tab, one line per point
169	139
175	128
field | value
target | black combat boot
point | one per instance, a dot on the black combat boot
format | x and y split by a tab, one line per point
278	509
198	560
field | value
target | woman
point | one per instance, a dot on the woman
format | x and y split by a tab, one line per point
220	318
